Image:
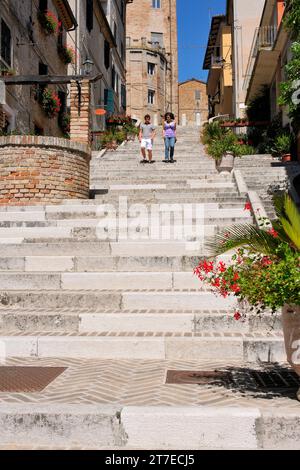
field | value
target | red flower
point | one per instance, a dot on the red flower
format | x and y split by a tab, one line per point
237	316
266	261
236	277
235	288
216	282
248	206
222	267
273	233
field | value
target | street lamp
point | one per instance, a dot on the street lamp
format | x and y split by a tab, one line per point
88	65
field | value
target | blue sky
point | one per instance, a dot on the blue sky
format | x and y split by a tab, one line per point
193	28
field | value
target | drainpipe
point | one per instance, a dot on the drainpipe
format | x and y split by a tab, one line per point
171	59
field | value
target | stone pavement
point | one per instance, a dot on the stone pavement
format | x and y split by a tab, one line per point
118	305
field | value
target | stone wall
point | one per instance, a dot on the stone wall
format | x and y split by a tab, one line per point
190	105
39	170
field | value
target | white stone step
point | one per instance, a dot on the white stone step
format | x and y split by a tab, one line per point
143	346
99	281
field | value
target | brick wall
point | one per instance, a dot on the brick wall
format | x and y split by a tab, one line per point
39	170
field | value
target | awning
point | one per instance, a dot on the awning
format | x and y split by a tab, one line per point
66	14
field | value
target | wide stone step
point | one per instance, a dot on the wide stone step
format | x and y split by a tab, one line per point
144	345
98	263
20	321
113	299
49	281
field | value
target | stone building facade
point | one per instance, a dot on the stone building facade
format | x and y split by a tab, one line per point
100	37
152	58
193	102
27	49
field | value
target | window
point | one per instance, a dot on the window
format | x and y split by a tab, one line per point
123	96
122	51
114	80
43	5
43	69
157	38
197	94
151	96
156	3
151	68
106	54
89	15
5	43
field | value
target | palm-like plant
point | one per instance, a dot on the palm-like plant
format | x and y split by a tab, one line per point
261	240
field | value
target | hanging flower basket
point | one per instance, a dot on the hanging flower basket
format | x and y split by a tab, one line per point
50	102
67	54
49	22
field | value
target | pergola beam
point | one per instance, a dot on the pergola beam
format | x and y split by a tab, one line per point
46	79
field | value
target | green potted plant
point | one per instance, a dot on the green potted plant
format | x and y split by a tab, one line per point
265	270
50	102
67	54
7	72
49	22
282	147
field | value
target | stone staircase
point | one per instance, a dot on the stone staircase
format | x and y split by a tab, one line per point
267	175
77	286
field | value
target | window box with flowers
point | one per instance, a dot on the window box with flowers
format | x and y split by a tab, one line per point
264	272
49	22
50	102
66	53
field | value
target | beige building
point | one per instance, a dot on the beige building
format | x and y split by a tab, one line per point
193	102
218	61
243	17
152	58
269	55
27	49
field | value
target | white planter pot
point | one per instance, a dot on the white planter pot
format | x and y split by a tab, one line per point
227	163
291	330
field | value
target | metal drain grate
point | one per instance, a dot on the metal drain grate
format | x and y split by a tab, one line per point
212	377
269	379
27	379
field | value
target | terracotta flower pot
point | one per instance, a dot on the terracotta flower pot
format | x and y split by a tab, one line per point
287	157
291	331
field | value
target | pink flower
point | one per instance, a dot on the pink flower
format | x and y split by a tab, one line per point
266	261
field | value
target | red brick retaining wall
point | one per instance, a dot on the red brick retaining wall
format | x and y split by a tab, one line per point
39	170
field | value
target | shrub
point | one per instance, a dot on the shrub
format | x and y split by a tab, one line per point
282	145
212	132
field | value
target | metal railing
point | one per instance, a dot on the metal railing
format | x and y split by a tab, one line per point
217	61
264	39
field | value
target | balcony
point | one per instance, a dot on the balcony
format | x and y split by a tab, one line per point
217	62
143	43
263	59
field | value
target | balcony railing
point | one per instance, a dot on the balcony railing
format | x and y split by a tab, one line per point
264	39
143	43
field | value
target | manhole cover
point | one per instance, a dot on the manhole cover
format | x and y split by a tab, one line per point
197	377
27	379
